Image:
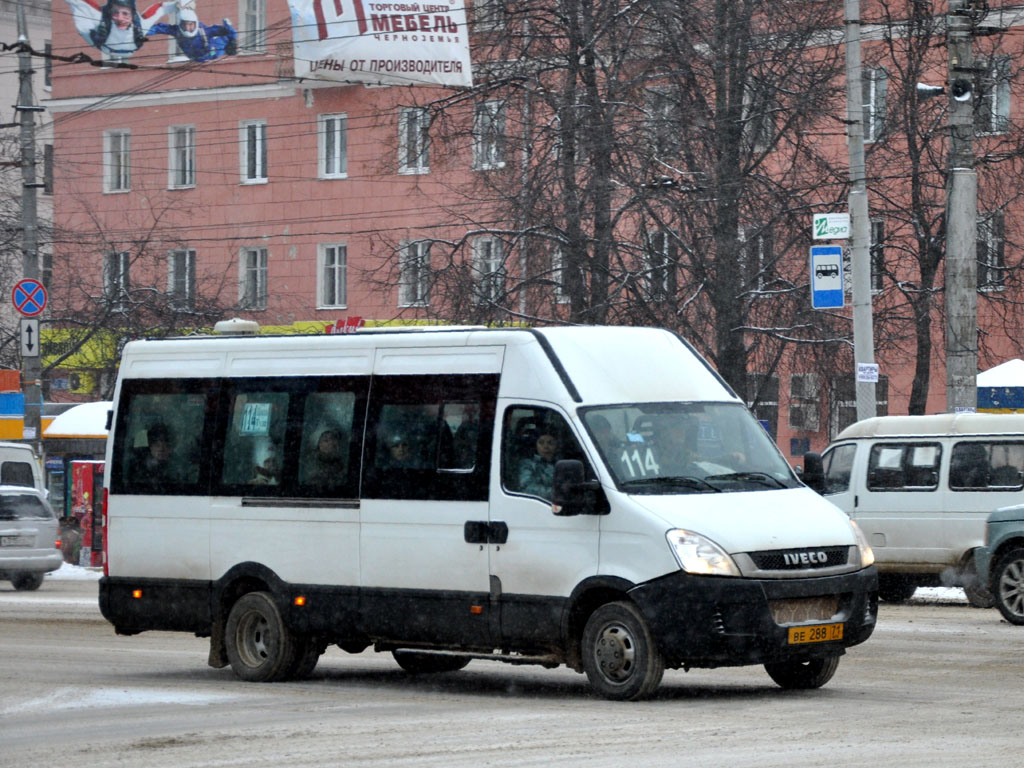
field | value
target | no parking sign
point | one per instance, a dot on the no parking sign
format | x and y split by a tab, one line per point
29	297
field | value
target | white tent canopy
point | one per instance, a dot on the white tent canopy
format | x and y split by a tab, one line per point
1008	374
85	420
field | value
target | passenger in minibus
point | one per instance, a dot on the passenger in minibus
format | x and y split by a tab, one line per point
154	463
399	454
537	473
328	462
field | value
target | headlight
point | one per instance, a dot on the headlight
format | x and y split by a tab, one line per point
867	556
697	554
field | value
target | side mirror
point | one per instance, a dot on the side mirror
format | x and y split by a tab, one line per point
573	494
814	472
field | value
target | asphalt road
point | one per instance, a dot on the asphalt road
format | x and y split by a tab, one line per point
939	684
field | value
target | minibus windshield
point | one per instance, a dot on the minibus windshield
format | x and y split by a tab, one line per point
663	448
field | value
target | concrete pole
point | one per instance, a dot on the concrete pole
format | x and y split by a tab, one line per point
31	367
860	227
961	276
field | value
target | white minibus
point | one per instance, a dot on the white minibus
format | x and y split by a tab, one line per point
921	487
590	496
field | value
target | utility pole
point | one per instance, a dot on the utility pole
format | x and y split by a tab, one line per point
961	275
860	228
31	366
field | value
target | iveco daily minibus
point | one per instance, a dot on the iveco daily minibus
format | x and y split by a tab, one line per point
594	497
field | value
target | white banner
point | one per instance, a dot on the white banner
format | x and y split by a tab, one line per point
378	41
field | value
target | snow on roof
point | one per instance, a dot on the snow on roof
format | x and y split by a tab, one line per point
1008	374
85	420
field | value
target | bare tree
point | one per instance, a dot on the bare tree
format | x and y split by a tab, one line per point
908	165
651	162
149	285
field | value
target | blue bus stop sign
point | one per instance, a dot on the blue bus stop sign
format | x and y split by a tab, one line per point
827	277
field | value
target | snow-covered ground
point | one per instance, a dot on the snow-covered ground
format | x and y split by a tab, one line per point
925	594
68	572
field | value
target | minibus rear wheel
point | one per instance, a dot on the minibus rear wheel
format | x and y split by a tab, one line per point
260	647
801	675
620	656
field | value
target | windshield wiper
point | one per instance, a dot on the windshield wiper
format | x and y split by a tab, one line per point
686	481
762	478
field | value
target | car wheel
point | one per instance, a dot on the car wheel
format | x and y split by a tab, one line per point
1008	582
797	675
620	657
425	663
895	589
260	647
26	582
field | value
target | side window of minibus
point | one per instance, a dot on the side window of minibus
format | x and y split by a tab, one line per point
1007	465
904	467
969	466
331	439
532	441
254	450
839	468
429	437
162	431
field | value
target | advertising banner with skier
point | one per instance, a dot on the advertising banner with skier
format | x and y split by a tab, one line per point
380	41
118	28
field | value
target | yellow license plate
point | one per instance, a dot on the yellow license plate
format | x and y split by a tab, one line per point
815	633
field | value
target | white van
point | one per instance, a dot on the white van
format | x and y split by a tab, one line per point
19	465
921	487
595	497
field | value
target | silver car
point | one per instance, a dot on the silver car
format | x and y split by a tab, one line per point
28	537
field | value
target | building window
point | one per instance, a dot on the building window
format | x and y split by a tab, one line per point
181	278
992	251
763	401
756	258
254	151
803	402
874	85
413	140
489	269
661	264
333	147
662	121
993	109
559	276
48	169
759	117
877	254
47	64
117	175
489	135
333	289
844	401
182	156
115	279
253	278
414	274
488	14
252	37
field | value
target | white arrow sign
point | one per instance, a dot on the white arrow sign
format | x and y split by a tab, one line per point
30	337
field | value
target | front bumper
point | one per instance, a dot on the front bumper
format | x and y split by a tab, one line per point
706	621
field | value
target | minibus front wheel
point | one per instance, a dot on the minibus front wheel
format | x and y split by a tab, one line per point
620	656
260	647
